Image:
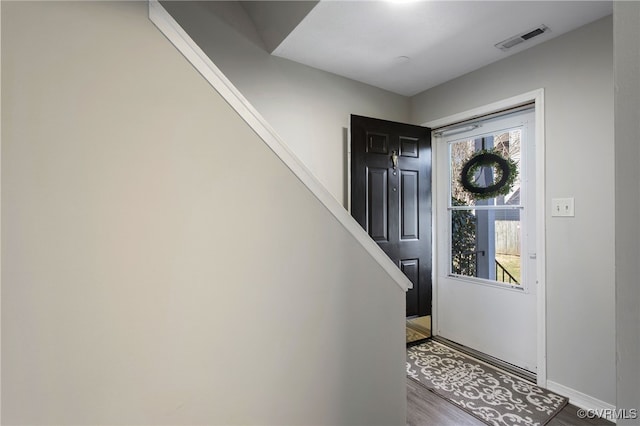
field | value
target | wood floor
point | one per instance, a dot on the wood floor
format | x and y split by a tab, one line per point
418	329
425	408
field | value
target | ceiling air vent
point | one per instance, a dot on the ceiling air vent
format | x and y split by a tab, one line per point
527	35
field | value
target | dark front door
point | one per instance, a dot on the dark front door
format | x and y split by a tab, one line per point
391	197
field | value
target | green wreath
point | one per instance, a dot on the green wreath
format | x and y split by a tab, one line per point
506	172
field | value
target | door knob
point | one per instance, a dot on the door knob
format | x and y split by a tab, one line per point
394	159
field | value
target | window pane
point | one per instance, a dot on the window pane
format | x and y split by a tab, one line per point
508	144
486	244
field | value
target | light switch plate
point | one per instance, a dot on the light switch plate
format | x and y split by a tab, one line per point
562	207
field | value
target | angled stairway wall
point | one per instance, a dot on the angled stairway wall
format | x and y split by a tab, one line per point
159	264
308	108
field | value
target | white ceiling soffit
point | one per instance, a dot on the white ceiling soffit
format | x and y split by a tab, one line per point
274	20
370	41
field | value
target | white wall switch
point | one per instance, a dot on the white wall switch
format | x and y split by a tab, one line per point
562	207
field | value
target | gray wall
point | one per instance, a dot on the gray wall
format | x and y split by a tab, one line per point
307	107
160	265
577	74
626	35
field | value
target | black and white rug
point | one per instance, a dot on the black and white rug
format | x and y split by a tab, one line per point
493	396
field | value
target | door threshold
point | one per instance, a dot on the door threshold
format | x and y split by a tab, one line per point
509	368
418	342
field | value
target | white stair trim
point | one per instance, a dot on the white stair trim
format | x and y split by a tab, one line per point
201	62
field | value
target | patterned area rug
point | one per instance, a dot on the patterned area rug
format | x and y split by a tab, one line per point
495	397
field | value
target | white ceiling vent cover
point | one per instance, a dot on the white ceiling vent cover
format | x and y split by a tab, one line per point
520	38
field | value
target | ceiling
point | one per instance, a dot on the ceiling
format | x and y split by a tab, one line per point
410	46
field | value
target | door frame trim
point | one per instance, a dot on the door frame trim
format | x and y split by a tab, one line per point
177	36
536	96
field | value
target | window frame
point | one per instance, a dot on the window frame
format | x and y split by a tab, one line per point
492	127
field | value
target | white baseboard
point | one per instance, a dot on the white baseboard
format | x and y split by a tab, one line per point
580	399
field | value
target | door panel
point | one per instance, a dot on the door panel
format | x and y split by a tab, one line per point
411	268
408	147
409	205
475	308
393	204
377	200
377	143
